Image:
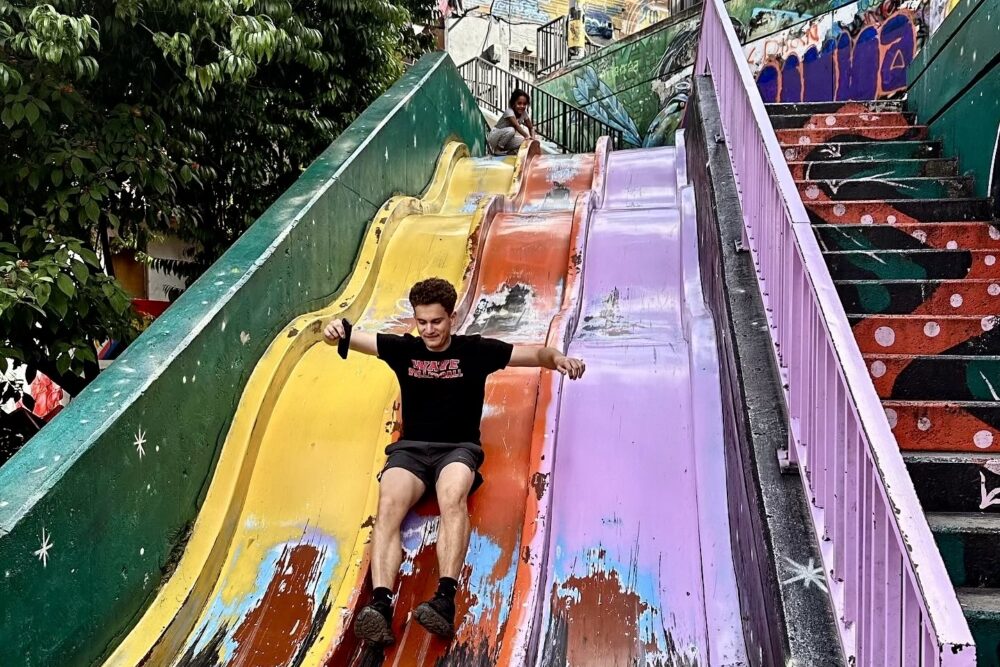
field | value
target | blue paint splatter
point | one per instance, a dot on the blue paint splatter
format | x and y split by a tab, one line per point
484	555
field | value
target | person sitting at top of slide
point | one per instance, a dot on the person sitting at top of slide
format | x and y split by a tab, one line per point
513	127
442	379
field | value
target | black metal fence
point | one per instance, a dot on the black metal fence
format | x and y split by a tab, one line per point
552	46
568	127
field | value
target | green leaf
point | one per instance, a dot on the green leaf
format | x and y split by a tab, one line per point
80	272
90	257
93	212
66	285
31	112
57	177
120	302
77	166
58	303
3	205
62	363
42	292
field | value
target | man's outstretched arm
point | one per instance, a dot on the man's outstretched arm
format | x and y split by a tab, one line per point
361	341
547	357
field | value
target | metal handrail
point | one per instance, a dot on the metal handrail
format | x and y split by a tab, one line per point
569	127
551	45
894	601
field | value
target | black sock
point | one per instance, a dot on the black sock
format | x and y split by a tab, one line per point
382	594
447	587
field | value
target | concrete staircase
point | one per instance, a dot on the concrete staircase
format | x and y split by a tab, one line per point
915	260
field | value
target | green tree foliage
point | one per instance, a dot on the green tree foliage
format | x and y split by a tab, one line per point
125	119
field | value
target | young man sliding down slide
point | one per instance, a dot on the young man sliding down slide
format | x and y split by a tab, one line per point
442	380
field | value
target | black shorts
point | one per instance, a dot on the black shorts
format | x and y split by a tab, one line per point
426	460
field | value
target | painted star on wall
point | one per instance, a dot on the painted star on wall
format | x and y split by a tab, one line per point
140	440
43	553
808	574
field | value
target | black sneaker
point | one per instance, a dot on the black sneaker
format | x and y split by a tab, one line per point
437	615
374	623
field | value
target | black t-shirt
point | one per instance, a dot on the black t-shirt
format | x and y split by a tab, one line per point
442	392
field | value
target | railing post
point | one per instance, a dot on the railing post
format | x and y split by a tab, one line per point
475	68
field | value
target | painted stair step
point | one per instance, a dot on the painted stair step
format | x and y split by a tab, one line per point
883	186
901	168
901	297
945	426
899	211
955	482
969	544
905	377
802	136
799	108
846	152
931	264
913	236
982	611
852	120
928	334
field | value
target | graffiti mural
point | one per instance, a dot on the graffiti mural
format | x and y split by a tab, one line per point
628	16
640	88
851	53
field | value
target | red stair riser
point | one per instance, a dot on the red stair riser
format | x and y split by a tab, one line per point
864	119
918	335
936	427
860	212
814	137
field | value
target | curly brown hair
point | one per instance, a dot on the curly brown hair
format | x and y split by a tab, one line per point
434	290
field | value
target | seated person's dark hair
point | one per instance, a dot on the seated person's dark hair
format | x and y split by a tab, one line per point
434	290
517	94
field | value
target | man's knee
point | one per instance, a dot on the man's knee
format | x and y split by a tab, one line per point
453	500
398	491
453	488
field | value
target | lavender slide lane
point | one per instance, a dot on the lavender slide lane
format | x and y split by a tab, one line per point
627	574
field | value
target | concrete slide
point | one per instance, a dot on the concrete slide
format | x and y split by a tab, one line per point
601	535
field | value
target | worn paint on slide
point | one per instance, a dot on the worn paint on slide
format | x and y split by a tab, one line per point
262	578
582	251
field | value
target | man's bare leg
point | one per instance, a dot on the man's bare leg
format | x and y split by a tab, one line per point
453	486
399	490
452	489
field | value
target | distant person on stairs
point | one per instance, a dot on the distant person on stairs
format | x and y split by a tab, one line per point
513	127
442	380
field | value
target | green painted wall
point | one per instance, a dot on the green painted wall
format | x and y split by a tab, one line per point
114	516
955	87
639	85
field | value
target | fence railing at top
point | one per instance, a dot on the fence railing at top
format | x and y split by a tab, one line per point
894	602
568	127
552	46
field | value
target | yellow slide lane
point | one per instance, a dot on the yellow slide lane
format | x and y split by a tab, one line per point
275	546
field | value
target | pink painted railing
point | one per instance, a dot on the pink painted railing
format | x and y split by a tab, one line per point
894	602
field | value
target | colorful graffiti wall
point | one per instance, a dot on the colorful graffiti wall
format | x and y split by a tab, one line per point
629	16
858	51
640	87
